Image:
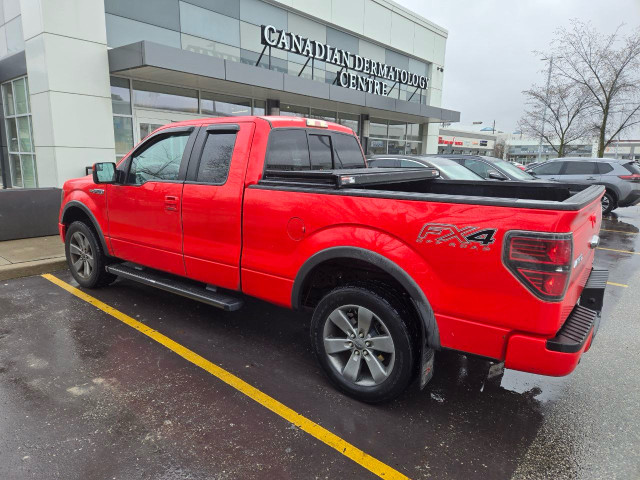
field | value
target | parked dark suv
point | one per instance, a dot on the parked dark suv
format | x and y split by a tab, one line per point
620	177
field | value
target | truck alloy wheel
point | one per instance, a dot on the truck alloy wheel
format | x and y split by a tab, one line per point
81	255
85	257
358	345
365	340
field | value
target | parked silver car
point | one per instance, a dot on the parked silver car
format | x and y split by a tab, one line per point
620	177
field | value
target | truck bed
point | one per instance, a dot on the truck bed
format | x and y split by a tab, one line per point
422	185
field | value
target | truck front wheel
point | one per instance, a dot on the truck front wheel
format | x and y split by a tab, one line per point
85	257
365	342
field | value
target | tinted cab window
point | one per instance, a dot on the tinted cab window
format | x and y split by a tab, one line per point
348	153
299	149
320	152
216	158
288	150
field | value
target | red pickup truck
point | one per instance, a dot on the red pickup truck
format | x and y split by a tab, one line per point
395	264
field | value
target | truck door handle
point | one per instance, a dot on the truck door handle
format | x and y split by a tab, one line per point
591	178
171	203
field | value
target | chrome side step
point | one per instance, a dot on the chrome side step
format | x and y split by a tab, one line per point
173	284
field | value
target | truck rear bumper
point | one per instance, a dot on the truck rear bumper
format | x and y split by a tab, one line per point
559	355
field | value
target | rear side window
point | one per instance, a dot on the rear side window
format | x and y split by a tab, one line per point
580	168
633	167
604	168
320	152
288	150
551	168
411	164
216	158
477	167
348	153
383	163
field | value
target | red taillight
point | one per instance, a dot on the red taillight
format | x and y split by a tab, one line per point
632	178
542	262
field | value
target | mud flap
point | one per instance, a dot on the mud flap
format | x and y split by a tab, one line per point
495	371
426	366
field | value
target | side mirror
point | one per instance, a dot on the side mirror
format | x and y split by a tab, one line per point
104	172
494	175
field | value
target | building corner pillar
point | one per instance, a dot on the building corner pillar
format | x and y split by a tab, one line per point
68	74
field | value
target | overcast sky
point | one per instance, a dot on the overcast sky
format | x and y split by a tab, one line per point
489	59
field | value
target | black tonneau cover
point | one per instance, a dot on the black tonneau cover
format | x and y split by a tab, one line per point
348	178
422	184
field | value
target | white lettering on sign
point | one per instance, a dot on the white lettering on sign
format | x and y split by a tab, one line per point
291	42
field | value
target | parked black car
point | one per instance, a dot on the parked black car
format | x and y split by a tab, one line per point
449	170
491	168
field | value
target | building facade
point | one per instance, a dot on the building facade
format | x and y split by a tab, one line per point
84	80
463	142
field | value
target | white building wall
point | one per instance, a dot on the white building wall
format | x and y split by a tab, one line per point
11	37
67	64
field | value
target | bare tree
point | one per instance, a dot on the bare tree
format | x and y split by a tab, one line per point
608	68
558	115
498	148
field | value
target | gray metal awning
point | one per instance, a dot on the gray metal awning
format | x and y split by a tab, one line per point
160	63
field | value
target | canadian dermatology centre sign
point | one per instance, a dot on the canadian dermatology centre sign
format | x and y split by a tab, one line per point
350	63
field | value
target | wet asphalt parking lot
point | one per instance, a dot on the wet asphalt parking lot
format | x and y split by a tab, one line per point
85	396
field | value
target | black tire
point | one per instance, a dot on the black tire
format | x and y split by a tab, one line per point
79	234
397	321
608	203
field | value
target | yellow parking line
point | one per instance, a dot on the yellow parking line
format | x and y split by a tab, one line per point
363	459
619	231
617	284
621	251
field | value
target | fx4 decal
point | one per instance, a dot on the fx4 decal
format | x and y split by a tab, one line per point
473	238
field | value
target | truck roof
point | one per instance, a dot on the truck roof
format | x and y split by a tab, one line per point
274	121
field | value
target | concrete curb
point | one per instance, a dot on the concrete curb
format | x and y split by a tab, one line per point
35	267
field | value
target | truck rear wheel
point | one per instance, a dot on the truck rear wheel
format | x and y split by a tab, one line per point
85	257
365	342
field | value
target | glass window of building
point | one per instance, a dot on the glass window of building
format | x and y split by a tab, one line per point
378	128
259	107
394	137
350	120
397	130
19	132
377	147
414	132
164	97
209	47
122	117
327	115
294	110
219	105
